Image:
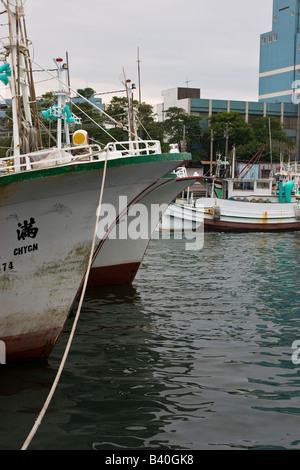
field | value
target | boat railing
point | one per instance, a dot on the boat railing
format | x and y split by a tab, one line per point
49	158
181	172
79	154
134	148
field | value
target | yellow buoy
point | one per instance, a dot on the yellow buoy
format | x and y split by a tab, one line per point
80	137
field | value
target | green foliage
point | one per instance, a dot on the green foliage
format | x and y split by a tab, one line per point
178	128
117	109
232	124
181	128
281	146
86	92
49	96
248	138
5	143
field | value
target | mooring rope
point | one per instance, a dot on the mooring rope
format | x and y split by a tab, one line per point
64	358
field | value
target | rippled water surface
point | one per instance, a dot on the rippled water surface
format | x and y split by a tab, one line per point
197	354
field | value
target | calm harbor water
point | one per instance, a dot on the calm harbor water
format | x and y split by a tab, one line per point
197	354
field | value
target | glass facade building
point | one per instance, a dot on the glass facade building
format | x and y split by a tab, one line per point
279	71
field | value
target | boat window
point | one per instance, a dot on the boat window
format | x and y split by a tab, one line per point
263	184
238	185
243	186
249	186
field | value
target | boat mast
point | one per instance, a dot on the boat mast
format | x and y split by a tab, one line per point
35	113
139	76
13	50
60	100
63	112
19	79
233	162
131	111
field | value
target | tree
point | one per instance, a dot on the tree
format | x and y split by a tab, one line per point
48	96
261	129
86	92
231	126
117	109
281	145
181	128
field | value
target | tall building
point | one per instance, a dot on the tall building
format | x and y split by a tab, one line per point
280	55
279	79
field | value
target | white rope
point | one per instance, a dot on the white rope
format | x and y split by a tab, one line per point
62	364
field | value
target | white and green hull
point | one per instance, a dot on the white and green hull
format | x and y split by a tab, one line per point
47	220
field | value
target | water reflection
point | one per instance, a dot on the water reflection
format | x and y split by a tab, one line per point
195	355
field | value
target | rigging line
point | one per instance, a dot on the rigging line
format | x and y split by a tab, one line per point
96	142
97	124
62	364
45	80
5	99
260	150
141	124
48	132
109	92
50	70
78	94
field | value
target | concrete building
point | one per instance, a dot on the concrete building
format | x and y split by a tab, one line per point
279	68
178	98
189	100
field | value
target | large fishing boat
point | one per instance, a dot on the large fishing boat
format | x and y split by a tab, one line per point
49	200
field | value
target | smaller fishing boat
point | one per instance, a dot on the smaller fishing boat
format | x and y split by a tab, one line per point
123	246
243	205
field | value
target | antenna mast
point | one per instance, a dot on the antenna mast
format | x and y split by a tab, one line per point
139	76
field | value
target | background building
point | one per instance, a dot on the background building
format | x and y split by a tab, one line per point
280	54
279	79
287	113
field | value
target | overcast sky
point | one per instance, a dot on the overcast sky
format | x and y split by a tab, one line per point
213	44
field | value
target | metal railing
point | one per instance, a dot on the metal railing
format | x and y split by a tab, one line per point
134	148
80	154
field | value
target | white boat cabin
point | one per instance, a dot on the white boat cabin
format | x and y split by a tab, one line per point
240	189
253	190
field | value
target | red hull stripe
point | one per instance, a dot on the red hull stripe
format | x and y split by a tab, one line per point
219	226
37	345
113	275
